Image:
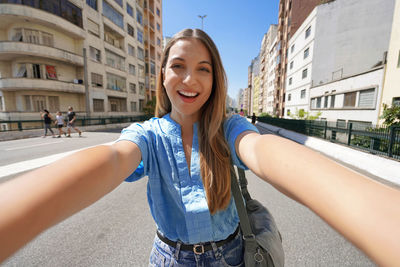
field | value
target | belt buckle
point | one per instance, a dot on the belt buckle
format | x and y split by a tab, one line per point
195	247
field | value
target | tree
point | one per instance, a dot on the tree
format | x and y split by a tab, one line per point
150	107
391	116
304	115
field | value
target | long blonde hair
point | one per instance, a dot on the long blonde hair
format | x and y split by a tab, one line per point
214	149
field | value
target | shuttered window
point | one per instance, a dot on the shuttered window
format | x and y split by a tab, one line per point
350	99
366	99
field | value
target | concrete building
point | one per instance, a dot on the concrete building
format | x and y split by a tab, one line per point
292	13
391	87
255	86
42	56
270	92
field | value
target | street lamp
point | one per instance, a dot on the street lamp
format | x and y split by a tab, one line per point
202	18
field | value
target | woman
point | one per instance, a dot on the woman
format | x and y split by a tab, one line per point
47	119
186	152
60	124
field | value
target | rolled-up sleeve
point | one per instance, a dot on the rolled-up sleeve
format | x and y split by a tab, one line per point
233	127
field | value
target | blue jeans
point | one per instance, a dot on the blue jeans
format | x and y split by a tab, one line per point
230	254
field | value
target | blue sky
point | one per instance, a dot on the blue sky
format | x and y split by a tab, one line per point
237	27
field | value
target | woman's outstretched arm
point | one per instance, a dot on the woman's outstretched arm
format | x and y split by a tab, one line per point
39	199
364	211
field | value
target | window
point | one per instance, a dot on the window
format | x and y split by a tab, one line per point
291	65
132	69
36	71
112	39
288	112
97	79
306	52
341	123
51	72
92	4
32	36
47	39
139	17
141	89
289	97
318	102
95	54
131	30
39	102
304	74
396	101
119	2
366	98
313	103
158	12
54	103
158	27
152	68
333	101
117	104
158	41
290	81
325	101
114	60
303	93
141	71
93	27
115	82
141	104
129	9
98	105
131	50
140	36
350	99
140	53
133	106
132	88
18	36
113	15
292	49
28	104
308	32
22	71
1	103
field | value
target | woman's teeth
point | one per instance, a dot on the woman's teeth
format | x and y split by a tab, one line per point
188	94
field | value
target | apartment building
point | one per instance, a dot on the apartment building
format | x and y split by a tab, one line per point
270	92
99	56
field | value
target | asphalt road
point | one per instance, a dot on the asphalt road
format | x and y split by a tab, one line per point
118	230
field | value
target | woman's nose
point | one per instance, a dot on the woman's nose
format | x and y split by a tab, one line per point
189	78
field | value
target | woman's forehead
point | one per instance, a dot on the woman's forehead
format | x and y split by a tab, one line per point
189	48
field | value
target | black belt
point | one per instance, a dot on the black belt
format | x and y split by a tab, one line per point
197	248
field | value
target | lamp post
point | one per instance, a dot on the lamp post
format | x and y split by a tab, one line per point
202	18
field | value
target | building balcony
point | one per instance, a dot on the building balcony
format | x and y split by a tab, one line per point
15	13
20	84
9	50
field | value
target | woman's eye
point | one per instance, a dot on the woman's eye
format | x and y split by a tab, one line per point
205	69
176	66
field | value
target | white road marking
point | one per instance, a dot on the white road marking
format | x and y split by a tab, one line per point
27	165
43	144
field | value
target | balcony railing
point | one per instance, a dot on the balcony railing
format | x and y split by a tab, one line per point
12	84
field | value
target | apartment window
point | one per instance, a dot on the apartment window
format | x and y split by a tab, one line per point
115	82
133	106
36	71
28	103
131	30
333	101
291	65
54	103
132	88
396	101
98	105
152	68
1	103
306	52
289	97
95	54
158	12
93	27
92	4
308	32
158	56
131	50
47	39
158	27
18	36
366	98
141	104
117	104
141	71
39	102
114	60
318	102
304	74
119	2
303	93
292	49
113	15
290	81
51	72
313	103
141	89
139	17
350	99
32	36
140	53
97	79
140	36
132	69
129	9
325	101
158	41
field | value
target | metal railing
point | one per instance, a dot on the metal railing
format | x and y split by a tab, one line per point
375	139
21	125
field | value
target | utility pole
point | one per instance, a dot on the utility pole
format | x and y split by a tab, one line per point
202	18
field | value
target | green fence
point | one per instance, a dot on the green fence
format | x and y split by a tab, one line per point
21	125
374	139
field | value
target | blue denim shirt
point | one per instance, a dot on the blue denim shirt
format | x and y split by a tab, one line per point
176	197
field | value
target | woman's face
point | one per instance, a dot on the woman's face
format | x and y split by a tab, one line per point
188	78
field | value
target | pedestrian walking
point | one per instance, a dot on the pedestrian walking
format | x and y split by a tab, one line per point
71	122
186	151
47	119
60	124
241	113
253	119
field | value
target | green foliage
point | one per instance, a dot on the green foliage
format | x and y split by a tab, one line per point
264	114
391	116
150	107
304	115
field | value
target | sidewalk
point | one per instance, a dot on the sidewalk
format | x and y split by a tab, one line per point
386	169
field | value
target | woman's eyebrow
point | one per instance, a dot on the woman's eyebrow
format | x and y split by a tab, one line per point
206	62
177	58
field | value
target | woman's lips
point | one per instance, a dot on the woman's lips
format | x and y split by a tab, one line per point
188	97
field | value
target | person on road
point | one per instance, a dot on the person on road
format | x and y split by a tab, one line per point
71	122
186	151
60	124
253	119
47	119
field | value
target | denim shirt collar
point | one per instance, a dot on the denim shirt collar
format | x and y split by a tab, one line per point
171	127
